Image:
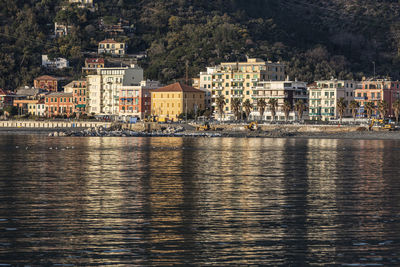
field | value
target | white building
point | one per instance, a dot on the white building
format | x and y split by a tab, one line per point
324	95
290	91
206	84
104	88
82	3
57	63
61	29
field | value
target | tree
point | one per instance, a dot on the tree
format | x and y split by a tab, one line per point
247	108
236	107
300	107
261	105
369	107
273	104
220	104
354	105
396	109
287	107
383	108
341	107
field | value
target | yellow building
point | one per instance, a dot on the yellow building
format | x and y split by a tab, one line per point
170	101
239	79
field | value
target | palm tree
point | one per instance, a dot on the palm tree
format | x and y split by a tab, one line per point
341	107
383	108
236	107
273	104
354	105
261	105
220	104
287	107
396	109
299	107
247	108
369	107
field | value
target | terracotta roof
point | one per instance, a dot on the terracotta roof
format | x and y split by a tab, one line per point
95	60
108	41
46	77
2	92
178	87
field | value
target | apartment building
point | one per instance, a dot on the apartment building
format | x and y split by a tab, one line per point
59	104
92	64
82	3
376	90
110	46
6	99
78	91
135	101
238	79
291	91
323	97
170	101
46	82
103	88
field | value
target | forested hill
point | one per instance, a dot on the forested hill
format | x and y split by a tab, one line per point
317	38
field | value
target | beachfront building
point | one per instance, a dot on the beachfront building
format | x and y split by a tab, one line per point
168	102
238	79
110	46
59	104
290	91
135	101
376	90
37	109
92	64
6	99
25	105
103	88
324	95
46	82
78	90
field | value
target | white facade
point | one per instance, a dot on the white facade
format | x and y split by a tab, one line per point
324	95
205	84
290	91
104	88
57	63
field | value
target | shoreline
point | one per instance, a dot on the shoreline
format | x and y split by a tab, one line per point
278	132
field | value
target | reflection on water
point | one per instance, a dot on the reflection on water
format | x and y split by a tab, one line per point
169	201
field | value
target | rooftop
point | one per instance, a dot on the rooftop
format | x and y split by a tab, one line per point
178	87
109	41
46	77
95	60
60	94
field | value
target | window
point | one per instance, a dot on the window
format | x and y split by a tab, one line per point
226	92
227	101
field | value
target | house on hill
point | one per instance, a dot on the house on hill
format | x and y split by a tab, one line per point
110	46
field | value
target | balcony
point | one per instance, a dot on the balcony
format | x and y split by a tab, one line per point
218	80
218	88
237	80
254	79
237	96
361	98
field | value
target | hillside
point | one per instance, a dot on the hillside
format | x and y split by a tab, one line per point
317	39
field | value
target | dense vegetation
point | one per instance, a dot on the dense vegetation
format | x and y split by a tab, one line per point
317	39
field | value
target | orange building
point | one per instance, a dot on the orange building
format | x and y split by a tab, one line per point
59	104
376	91
46	82
78	90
